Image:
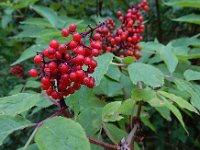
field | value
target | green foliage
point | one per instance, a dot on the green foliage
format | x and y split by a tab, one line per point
61	133
169	71
10	124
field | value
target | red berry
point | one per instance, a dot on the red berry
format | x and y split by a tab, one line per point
73	45
73	76
54	44
33	73
97	36
63	68
79	59
58	55
38	59
93	63
55	95
65	32
95	52
45	80
72	27
76	37
49	91
62	48
80	75
52	66
80	51
87	61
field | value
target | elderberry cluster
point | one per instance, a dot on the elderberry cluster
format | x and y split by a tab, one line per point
17	70
124	40
65	67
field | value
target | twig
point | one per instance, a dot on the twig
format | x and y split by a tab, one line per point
103	144
30	138
50	99
67	112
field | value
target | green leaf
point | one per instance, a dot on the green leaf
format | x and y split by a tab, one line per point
192	18
191	75
30	147
116	133
175	111
103	62
37	22
147	73
9	124
184	3
191	89
127	107
143	94
169	57
61	134
29	53
109	88
129	59
16	104
47	13
147	123
113	72
83	98
164	112
32	84
111	112
37	32
179	101
90	119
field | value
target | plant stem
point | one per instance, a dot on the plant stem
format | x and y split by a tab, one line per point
103	144
50	99
30	138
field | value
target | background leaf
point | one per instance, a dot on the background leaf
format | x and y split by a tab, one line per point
146	73
63	134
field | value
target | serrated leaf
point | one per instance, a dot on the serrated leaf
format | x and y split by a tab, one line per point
143	94
37	22
169	57
29	53
111	112
9	124
192	18
184	3
90	119
37	32
116	133
127	107
146	73
16	104
47	13
179	101
83	98
189	88
103	63
109	88
175	111
191	75
61	134
113	72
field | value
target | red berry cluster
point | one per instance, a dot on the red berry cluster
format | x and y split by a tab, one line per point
124	40
65	67
17	70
